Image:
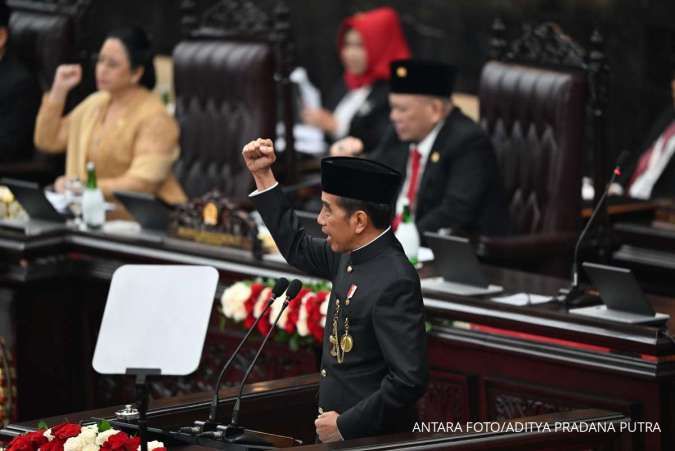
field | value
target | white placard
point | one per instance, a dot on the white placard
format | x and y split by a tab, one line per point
156	317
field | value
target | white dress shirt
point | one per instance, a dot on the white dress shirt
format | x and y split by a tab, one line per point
347	108
424	148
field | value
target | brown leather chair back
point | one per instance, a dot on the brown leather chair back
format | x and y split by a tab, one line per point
225	97
536	119
42	41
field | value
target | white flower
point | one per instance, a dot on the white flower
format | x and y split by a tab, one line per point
275	309
152	445
301	325
91	447
88	435
233	299
48	434
323	309
104	436
261	302
73	444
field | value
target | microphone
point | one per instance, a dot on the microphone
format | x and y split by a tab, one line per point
574	291
211	424
233	432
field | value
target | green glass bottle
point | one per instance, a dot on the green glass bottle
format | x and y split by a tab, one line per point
408	236
91	176
406	217
93	203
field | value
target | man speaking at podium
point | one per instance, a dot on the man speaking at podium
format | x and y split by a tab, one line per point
374	361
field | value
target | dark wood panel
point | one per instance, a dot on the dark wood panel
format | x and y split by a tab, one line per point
488	360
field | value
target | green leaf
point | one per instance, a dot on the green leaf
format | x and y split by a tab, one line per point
103	426
294	342
42	425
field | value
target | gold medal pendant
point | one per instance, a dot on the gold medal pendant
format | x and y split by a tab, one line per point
347	343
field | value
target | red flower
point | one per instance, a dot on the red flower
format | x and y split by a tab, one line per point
314	315
132	444
264	323
121	442
294	311
54	445
64	431
256	289
28	442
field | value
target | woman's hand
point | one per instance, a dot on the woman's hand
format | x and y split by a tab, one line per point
60	184
320	118
67	77
347	147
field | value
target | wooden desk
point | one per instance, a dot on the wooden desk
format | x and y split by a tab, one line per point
488	361
625	209
266	407
650	252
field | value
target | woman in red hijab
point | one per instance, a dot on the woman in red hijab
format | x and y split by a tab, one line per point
367	42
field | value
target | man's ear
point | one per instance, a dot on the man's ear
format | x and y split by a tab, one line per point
360	220
437	109
3	38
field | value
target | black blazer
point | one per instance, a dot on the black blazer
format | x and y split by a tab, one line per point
461	187
376	387
665	185
371	121
19	101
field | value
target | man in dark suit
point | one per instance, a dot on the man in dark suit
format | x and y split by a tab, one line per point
374	361
652	175
452	178
19	100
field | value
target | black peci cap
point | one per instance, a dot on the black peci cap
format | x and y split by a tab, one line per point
360	179
4	14
429	78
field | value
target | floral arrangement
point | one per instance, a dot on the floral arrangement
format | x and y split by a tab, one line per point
9	207
301	324
75	437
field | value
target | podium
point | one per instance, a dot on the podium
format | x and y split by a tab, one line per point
138	338
289	406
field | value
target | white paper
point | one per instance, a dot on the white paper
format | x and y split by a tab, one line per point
311	98
425	254
522	299
308	139
58	200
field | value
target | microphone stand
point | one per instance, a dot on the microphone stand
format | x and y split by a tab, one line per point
233	432
212	423
574	292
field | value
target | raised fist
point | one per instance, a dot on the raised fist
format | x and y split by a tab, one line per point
259	156
67	77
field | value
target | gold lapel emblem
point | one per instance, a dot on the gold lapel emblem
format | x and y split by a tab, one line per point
435	156
210	214
401	72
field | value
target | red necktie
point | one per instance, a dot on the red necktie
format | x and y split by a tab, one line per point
643	163
415	160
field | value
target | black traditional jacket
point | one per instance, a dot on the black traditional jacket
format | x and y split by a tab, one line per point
377	385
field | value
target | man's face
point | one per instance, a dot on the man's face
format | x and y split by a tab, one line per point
336	224
414	116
